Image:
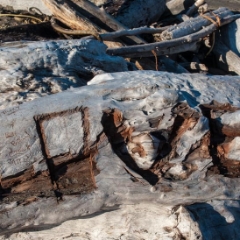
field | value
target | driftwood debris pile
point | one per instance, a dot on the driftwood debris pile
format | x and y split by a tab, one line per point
153	34
111	137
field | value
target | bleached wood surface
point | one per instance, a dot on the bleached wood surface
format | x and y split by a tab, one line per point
231	36
145	104
34	69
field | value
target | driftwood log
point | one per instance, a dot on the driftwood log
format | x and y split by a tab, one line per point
226	58
156	138
231	36
161	46
69	13
137	13
104	18
195	24
34	69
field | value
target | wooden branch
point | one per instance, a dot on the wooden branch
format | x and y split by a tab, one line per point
230	36
226	59
194	24
175	7
203	9
105	18
171	43
130	32
147	12
187	47
55	66
67	14
194	7
65	11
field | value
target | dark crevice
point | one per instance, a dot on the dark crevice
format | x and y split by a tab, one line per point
117	142
221	165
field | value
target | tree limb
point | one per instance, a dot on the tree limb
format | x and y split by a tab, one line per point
171	43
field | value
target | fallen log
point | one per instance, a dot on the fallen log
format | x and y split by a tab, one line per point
230	36
195	24
71	152
122	51
226	58
67	13
34	69
194	7
203	9
147	12
105	18
187	47
130	32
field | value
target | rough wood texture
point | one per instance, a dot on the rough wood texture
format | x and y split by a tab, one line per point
231	36
226	58
69	13
33	69
162	46
147	140
175	7
66	13
194	7
104	17
195	24
137	13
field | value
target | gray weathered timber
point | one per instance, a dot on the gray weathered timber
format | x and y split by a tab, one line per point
231	36
138	13
194	24
226	58
128	50
128	124
33	69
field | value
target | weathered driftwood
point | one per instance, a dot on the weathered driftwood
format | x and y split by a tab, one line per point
175	7
141	221
195	24
104	17
130	32
203	9
230	35
65	12
195	66
191	47
194	7
226	58
100	146
137	13
34	69
122	51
